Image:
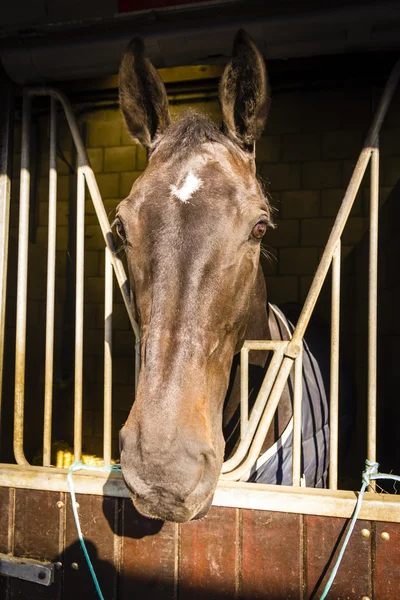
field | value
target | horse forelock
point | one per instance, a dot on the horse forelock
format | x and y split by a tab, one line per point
186	134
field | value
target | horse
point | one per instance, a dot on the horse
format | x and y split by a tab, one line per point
192	228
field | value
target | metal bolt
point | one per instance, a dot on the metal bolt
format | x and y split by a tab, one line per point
365	598
58	565
74	566
60	504
365	533
78	505
385	536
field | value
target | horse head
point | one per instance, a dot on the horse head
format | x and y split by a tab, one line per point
192	226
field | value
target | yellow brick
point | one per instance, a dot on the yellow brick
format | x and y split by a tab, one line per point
91	263
63	187
103	133
268	149
389	141
342	144
94	238
322	174
108	185
122	158
96	159
106	114
283	289
301	147
286	114
391	170
315	232
298	261
285	234
127	139
354	230
282	176
141	160
126	182
300	203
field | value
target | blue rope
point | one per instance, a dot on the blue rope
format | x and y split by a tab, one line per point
77	466
370	473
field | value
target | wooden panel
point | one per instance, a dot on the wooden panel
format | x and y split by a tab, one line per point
99	523
36	535
4	537
323	537
210	556
387	565
271	556
4	514
148	556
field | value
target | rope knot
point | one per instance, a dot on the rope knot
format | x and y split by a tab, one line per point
371	469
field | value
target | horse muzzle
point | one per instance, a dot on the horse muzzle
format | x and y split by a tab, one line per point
173	486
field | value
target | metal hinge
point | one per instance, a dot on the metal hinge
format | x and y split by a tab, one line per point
27	569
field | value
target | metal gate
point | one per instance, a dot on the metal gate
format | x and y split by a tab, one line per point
286	354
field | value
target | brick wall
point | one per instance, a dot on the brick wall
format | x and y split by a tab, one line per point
305	160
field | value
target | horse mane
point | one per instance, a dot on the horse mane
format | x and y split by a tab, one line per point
186	134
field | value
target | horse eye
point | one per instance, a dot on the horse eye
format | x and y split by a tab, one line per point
120	230
259	230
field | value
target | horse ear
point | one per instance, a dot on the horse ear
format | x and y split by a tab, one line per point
243	92
142	95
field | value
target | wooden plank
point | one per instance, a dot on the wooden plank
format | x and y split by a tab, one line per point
148	556
99	523
209	564
271	555
322	545
387	563
4	516
4	536
37	536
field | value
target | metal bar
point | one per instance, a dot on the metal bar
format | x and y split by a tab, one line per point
22	286
334	370
244	391
80	256
265	422
372	305
27	569
108	314
262	399
96	198
50	294
6	102
297	406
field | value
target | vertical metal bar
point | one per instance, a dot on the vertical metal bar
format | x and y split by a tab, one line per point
244	391
96	198
6	101
334	369
372	303
108	312
80	255
50	294
22	286
297	405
